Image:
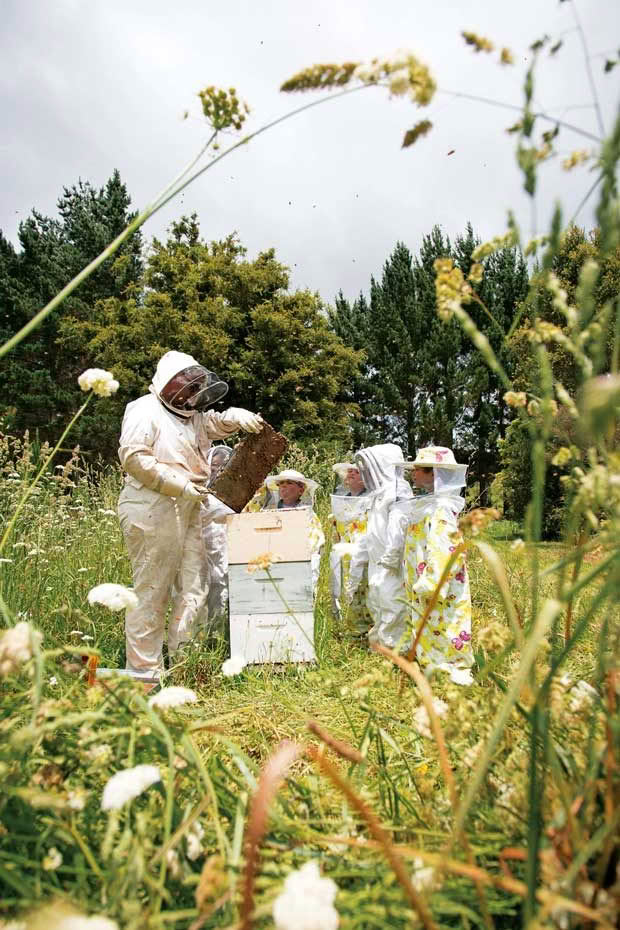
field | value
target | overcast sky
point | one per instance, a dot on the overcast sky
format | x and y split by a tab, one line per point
88	86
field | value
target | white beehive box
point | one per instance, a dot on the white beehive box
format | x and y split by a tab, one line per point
271	620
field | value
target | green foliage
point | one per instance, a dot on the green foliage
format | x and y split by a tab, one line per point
575	251
38	383
235	317
422	381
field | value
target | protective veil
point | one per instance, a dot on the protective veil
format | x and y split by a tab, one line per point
431	534
380	468
165	459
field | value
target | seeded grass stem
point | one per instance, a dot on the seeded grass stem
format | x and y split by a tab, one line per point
416	900
546	616
28	492
426	694
269	782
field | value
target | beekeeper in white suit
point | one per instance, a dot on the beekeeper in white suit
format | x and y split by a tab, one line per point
165	441
381	470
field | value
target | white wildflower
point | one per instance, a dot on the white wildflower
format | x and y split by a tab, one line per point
99	753
6	560
53	860
16	646
421	719
233	666
83	569
193	841
76	633
98	381
173	863
53	681
517	545
582	696
60	915
173	696
424	877
86	637
76	800
306	903
128	784
114	596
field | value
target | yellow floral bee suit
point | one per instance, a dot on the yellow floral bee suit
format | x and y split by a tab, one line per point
429	541
349	523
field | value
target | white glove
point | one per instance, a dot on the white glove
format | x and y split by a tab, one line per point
244	419
191	492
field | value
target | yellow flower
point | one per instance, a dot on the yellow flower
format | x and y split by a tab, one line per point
262	562
515	398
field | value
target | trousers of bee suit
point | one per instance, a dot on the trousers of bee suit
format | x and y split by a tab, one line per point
215	610
164	544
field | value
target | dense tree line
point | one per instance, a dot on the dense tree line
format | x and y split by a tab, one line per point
422	381
377	368
236	316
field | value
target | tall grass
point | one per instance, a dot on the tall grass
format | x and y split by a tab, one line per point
491	806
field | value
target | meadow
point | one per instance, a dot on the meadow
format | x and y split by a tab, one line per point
369	787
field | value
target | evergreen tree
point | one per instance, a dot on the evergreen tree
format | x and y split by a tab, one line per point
233	315
422	380
38	382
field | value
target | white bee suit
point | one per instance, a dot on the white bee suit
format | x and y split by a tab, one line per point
164	456
215	540
386	589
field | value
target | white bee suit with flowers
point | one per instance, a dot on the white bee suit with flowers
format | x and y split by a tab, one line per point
164	457
349	523
431	535
388	491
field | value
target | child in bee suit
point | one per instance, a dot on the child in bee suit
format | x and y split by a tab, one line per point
381	470
431	534
349	508
288	490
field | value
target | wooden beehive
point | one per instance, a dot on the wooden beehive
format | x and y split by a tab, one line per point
271	612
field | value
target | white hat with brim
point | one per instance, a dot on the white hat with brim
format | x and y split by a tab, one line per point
289	474
341	468
434	457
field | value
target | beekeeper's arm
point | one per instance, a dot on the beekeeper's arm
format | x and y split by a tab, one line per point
137	459
392	557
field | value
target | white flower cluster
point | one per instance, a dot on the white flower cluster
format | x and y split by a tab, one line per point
307	901
193	841
127	785
98	381
233	666
172	697
16	647
421	720
113	596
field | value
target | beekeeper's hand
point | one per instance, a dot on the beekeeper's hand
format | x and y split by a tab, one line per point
244	419
192	493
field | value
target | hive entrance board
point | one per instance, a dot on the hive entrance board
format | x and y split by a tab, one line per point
252	460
